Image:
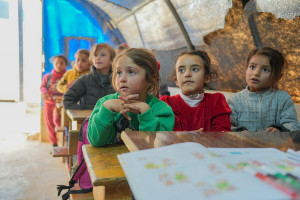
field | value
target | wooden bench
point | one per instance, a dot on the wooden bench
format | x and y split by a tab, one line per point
106	173
69	150
60	134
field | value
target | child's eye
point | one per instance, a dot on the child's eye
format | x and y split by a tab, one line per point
252	67
181	70
195	69
266	70
119	73
103	54
131	72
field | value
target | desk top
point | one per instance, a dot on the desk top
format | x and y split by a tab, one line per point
103	164
78	114
139	140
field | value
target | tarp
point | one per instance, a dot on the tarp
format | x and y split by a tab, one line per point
72	25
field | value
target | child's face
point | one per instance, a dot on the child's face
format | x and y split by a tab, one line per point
130	78
59	65
190	74
258	73
102	61
82	62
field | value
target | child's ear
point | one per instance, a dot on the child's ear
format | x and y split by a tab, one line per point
176	82
207	78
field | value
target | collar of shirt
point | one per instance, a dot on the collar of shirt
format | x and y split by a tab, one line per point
192	100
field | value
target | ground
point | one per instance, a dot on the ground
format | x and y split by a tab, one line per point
27	170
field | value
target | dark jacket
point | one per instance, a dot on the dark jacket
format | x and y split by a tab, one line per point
87	90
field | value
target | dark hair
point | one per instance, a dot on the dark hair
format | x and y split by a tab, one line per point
209	71
83	51
97	47
277	62
60	56
146	60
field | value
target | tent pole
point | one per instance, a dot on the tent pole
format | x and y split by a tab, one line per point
180	24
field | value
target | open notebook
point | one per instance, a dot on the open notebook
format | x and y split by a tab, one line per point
191	171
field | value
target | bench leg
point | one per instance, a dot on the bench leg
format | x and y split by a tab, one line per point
99	192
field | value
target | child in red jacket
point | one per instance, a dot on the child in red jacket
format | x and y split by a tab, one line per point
48	89
194	109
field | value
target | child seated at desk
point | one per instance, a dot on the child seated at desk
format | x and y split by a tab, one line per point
88	88
82	66
261	107
48	89
135	105
193	108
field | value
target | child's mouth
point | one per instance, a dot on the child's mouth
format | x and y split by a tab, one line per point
124	88
254	80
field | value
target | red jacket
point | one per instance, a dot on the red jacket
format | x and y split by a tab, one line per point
212	114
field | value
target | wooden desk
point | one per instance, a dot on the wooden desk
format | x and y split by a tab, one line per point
77	117
105	170
138	140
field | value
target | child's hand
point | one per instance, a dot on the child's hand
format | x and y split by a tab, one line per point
200	130
116	105
272	129
137	107
47	96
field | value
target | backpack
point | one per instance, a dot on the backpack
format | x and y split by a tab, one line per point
81	174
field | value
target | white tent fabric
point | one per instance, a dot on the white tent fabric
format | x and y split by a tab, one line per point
152	24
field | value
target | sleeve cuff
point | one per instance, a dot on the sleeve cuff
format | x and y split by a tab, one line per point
280	127
109	115
239	129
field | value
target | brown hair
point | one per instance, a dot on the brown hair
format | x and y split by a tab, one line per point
209	71
277	62
97	47
60	56
146	60
83	51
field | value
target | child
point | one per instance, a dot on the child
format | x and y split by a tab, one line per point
82	66
48	89
135	105
88	88
261	107
193	108
121	48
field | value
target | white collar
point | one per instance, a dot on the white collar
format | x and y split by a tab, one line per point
192	100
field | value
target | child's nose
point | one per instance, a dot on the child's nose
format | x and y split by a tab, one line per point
257	72
188	73
123	78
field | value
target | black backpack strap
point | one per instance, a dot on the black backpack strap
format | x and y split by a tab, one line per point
72	182
49	80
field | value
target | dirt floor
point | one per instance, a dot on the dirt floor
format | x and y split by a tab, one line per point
27	170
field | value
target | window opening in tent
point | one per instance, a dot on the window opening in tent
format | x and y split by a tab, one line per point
4	9
72	44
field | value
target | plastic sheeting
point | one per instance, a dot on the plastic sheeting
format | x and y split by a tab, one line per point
158	27
280	8
63	19
153	26
202	17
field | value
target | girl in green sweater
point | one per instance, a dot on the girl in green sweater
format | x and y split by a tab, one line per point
135	105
